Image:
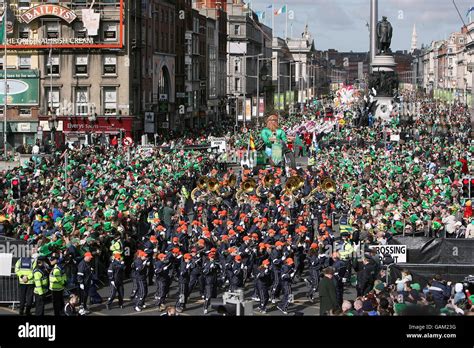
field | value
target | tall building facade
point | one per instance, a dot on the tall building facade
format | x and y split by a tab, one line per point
77	65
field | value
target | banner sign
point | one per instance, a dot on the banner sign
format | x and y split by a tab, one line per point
23	87
48	10
248	109
220	143
398	252
261	107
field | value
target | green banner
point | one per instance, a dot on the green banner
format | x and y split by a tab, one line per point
23	87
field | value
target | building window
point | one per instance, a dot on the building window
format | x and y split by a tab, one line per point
82	101
81	65
52	64
24	62
52	30
110	32
237	65
237	30
25	112
24	3
110	65
79	31
110	101
23	32
237	85
52	98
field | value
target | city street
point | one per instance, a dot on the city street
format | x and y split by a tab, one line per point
300	306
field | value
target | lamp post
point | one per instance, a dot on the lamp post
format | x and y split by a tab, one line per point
92	118
53	125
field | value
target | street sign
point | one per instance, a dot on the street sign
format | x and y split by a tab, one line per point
127	141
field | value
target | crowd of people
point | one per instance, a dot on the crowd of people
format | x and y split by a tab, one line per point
99	215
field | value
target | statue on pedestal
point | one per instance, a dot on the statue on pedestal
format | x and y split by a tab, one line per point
384	36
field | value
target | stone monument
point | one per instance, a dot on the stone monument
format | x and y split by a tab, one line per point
383	79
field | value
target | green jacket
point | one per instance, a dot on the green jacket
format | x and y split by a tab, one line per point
327	295
267	134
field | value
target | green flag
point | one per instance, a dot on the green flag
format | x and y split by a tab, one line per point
3	29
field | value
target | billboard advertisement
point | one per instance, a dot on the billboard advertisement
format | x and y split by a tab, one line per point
23	87
90	20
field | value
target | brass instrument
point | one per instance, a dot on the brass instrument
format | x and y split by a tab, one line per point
201	188
246	188
328	185
202	182
268	182
241	197
294	183
249	185
194	195
213	185
232	181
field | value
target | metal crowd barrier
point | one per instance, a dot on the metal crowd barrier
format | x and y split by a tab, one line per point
9	290
428	270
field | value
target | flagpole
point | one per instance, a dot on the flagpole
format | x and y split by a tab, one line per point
273	20
286	25
5	93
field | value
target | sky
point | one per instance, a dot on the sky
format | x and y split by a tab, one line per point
341	24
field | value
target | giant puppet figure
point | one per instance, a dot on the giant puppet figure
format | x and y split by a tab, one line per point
275	140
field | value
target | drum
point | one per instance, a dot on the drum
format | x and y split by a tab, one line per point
277	153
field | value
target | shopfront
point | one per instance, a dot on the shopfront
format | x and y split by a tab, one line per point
86	131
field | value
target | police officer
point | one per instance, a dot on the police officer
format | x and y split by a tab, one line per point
84	278
238	274
40	275
345	253
141	264
210	280
183	282
287	274
117	245
263	283
24	272
57	282
314	271
116	274
163	279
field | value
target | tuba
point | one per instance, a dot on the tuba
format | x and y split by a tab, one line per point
268	182
328	185
246	188
199	194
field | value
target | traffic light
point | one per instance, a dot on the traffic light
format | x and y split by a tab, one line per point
23	185
468	188
15	184
472	188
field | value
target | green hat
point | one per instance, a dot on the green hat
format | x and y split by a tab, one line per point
399	308
107	226
67	227
416	286
379	287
